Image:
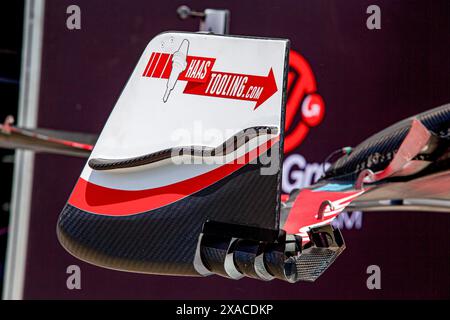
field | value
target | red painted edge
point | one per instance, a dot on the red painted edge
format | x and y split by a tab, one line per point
115	202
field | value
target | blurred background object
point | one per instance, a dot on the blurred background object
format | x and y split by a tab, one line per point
11	24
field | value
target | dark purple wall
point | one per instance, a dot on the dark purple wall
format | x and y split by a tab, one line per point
368	80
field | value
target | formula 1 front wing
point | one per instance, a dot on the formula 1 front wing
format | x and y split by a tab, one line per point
138	206
156	197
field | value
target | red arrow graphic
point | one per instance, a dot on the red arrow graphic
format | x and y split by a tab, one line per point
236	86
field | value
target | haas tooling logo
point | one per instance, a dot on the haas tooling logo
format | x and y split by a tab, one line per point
203	80
305	108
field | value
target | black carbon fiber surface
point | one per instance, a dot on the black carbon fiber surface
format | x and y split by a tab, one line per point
245	253
313	262
213	251
377	151
164	240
